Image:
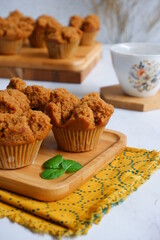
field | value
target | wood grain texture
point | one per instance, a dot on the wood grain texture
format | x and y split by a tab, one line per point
115	95
34	64
27	180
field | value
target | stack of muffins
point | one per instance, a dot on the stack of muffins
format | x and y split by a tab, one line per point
76	123
46	31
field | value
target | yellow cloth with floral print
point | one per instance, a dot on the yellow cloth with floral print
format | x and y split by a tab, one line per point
75	214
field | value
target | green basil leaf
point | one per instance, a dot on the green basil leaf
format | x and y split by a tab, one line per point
52	173
53	162
71	166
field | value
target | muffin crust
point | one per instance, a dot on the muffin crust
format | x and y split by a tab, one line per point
13	101
65	35
67	111
17	83
91	23
38	96
26	128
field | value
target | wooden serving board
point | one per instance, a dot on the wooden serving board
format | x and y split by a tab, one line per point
27	180
115	95
34	64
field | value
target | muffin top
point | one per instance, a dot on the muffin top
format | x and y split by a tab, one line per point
61	104
67	111
43	20
15	14
102	111
76	21
91	23
65	35
10	30
38	96
26	128
17	83
13	101
14	30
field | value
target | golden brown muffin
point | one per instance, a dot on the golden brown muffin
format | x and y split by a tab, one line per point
38	96
22	130
37	39
13	101
21	137
78	124
63	43
61	105
17	83
90	28
76	21
12	34
65	107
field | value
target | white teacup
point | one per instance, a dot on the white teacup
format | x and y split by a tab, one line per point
137	66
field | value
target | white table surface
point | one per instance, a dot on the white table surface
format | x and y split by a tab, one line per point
138	217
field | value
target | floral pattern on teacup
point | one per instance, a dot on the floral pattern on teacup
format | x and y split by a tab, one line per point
145	75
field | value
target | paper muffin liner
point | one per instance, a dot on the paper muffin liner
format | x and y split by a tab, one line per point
77	140
37	39
66	50
88	38
18	156
10	47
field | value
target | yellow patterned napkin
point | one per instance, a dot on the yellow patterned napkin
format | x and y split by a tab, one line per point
75	214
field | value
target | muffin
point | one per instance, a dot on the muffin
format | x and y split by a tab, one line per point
12	34
37	39
90	28
24	22
21	137
17	83
38	96
77	124
22	130
10	37
63	43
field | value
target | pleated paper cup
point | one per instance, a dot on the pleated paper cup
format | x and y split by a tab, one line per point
18	156
59	51
10	47
77	140
88	38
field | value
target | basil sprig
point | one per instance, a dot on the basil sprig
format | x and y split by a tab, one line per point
55	167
